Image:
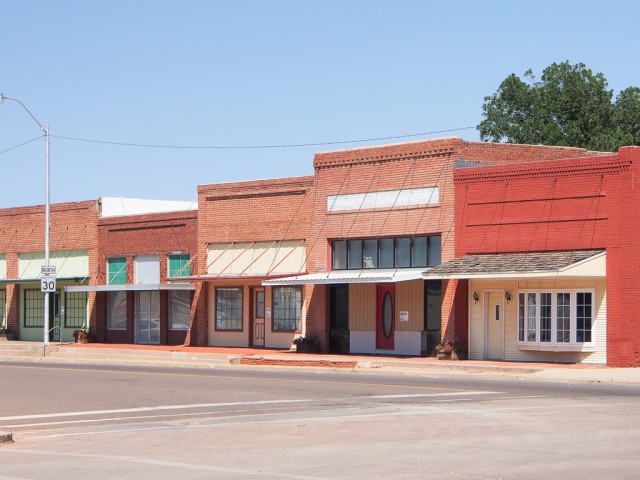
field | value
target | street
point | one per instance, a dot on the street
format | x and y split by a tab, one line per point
74	421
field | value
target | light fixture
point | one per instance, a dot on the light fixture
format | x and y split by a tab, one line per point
507	296
475	297
45	130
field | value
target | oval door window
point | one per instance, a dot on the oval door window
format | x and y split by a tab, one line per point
387	315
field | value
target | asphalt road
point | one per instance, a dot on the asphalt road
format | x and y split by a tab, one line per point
74	421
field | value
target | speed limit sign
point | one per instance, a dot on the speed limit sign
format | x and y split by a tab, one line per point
47	283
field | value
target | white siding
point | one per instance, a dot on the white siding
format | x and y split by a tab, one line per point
477	323
3	267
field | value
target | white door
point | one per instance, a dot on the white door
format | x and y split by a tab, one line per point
495	326
147	317
258	317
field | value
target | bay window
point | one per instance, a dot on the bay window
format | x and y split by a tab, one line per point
555	318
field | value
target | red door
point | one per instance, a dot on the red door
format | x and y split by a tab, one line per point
385	321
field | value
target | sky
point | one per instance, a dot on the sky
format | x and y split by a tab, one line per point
225	91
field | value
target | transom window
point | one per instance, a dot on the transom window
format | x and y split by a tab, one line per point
117	271
179	265
287	303
228	308
400	252
555	317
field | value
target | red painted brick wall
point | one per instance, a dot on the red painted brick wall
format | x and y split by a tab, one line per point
586	203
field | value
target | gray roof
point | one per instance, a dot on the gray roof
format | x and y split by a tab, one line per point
513	262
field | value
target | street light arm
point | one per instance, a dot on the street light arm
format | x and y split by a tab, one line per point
3	98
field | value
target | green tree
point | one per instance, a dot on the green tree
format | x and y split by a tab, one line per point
569	106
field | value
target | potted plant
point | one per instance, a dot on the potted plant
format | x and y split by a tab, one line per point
451	350
82	336
6	333
306	344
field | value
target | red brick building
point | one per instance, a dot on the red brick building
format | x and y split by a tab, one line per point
547	260
382	216
140	244
73	251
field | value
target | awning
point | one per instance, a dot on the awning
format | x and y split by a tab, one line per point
209	277
581	263
130	287
37	280
351	276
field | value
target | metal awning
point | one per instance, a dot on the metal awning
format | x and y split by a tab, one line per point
352	276
37	280
581	263
130	287
210	277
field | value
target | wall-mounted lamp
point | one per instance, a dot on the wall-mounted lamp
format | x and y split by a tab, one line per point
507	296
475	297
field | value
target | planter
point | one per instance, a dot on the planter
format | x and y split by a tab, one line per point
7	336
453	355
457	356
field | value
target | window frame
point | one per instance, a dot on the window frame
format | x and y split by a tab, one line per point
122	272
115	295
297	322
343	249
70	309
172	294
38	297
219	328
530	319
183	259
3	307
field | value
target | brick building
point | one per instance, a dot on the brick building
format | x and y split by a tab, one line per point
249	232
547	260
140	244
73	251
382	216
352	256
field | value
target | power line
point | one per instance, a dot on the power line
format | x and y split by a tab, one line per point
254	147
21	145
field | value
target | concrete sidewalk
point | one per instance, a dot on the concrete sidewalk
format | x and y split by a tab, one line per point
223	357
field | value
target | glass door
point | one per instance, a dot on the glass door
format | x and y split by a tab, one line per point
147	317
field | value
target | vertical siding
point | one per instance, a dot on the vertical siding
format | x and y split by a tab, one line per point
410	298
362	307
477	320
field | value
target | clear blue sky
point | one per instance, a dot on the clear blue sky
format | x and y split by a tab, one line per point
249	73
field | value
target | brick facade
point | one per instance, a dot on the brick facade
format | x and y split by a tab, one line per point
72	227
589	203
158	234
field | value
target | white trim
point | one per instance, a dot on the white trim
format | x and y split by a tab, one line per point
351	276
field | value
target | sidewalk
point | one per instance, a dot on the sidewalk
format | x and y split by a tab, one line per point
226	357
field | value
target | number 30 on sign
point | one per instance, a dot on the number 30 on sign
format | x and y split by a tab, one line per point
47	284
